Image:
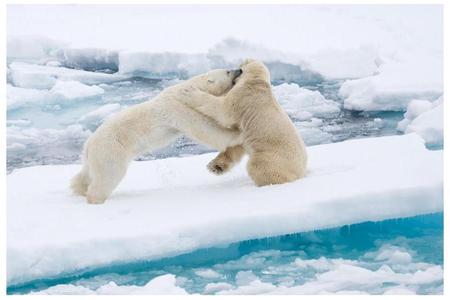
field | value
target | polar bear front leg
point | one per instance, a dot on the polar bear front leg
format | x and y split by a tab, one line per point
207	104
226	160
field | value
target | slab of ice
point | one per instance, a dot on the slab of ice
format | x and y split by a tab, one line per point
19	97
44	77
60	93
426	119
147	63
172	206
414	109
90	59
394	86
304	104
32	47
71	90
27	139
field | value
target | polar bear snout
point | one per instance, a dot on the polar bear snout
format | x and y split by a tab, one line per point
235	74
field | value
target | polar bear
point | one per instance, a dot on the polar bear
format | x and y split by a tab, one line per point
277	153
148	126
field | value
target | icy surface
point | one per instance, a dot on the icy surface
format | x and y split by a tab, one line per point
395	85
316	112
387	257
19	97
372	179
303	104
162	285
426	119
75	90
310	36
27	75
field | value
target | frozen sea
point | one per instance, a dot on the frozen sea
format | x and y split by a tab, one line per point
302	263
382	78
47	138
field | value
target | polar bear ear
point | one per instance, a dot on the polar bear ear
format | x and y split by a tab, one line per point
210	80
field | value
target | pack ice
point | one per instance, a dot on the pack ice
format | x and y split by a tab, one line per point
173	206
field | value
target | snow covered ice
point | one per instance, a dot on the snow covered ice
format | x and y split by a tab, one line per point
426	119
137	213
364	86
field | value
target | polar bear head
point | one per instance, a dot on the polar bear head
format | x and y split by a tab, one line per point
254	69
220	81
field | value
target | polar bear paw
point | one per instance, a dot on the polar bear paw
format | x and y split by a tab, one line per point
219	165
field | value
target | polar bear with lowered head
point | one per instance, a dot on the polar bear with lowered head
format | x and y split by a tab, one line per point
276	151
148	126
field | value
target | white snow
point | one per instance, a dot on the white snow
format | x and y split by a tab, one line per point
337	41
173	206
426	119
304	104
395	85
71	90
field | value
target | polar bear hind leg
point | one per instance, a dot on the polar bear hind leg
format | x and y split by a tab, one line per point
262	169
80	182
105	176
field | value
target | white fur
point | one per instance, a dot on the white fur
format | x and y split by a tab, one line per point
148	126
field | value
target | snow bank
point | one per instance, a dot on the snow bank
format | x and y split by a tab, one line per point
395	85
27	75
161	210
304	104
426	119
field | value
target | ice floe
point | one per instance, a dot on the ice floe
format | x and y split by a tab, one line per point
173	206
74	90
303	104
426	119
27	75
161	285
395	85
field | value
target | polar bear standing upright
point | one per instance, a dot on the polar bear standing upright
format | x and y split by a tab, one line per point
277	152
148	126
